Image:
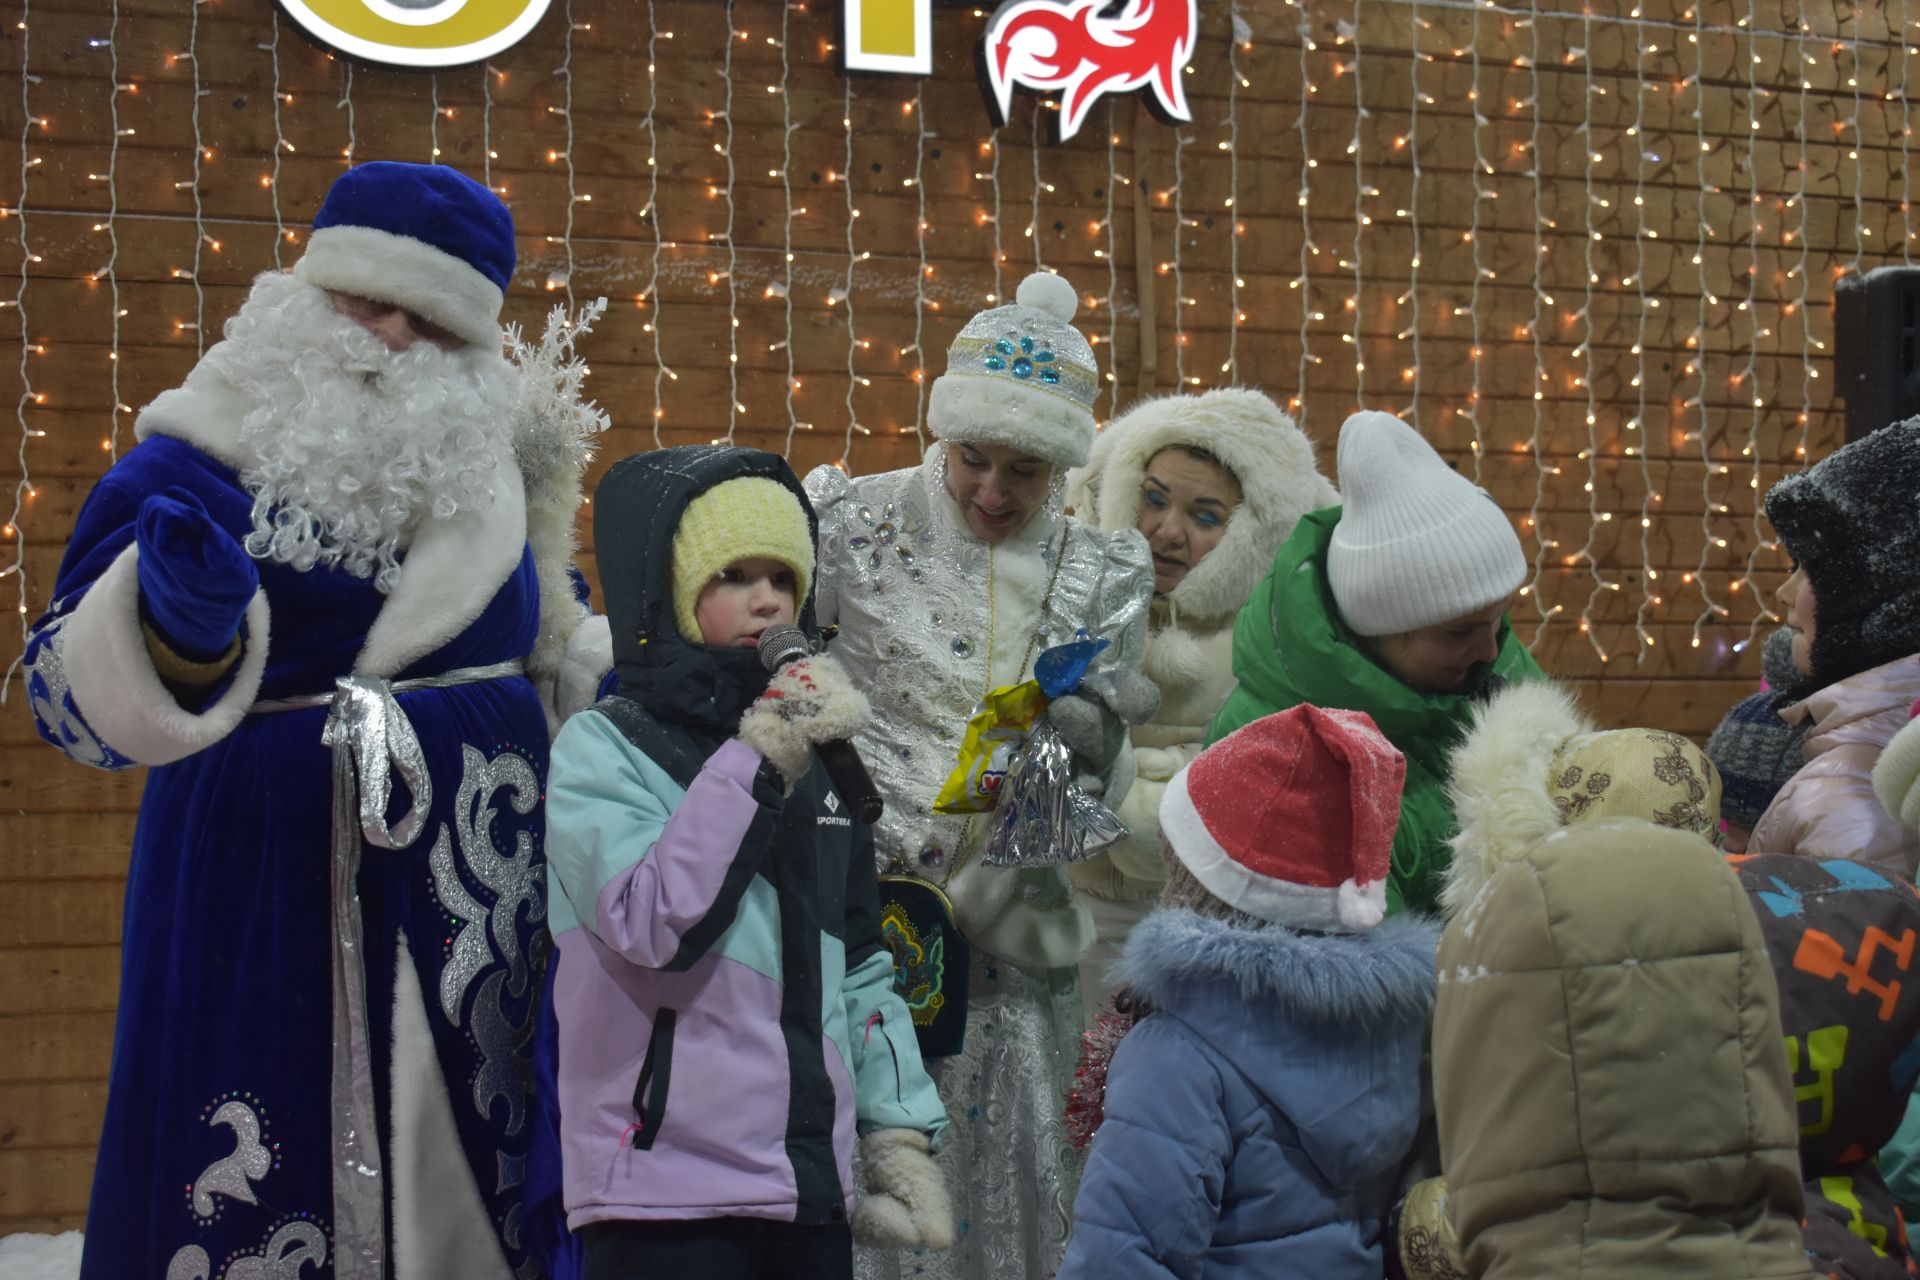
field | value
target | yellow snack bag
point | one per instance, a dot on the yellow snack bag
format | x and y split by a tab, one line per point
997	731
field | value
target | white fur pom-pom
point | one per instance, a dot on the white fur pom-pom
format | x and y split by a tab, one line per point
1045	291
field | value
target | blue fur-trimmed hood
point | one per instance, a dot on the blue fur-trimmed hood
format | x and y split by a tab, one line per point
1387	972
1326	1029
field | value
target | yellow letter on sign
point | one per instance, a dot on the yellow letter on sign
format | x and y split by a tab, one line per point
894	36
417	33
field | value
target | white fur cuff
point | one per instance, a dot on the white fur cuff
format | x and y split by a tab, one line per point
120	694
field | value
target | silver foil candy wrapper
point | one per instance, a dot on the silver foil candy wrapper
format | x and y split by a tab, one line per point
1042	818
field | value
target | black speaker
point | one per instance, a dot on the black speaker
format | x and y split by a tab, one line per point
1876	347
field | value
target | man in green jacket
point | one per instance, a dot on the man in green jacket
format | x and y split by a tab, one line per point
1395	605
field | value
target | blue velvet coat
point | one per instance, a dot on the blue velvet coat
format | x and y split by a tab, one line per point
1256	1120
219	1131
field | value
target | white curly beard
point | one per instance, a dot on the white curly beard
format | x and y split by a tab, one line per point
349	444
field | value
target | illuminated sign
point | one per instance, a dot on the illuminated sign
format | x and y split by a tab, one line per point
1073	49
417	33
893	36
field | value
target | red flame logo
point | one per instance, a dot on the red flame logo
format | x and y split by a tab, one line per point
1047	46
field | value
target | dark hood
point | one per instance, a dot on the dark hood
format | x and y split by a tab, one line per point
1848	522
636	511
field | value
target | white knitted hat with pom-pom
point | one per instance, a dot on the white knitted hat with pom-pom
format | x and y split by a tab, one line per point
1021	376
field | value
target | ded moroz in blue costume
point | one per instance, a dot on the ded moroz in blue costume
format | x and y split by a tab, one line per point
309	603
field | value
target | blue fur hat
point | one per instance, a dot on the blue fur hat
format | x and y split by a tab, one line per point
420	236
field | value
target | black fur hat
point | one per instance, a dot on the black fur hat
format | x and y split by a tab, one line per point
1849	520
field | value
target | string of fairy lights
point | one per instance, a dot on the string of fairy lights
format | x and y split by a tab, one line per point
1591	238
787	126
1636	425
1356	311
1239	40
1303	199
1747	382
1728	399
1535	521
110	225
1697	354
1409	143
23	490
1481	167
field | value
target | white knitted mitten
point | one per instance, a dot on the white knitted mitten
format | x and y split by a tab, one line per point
808	701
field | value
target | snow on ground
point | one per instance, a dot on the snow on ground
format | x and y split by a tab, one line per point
31	1257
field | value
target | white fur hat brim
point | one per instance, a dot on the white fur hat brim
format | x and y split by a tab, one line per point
982	409
1270	457
405	272
1498	781
1349	907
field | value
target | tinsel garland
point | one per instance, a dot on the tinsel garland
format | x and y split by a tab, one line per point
1087	1101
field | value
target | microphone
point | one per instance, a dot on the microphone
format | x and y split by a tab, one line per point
783	644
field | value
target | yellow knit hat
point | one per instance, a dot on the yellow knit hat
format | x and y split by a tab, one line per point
738	519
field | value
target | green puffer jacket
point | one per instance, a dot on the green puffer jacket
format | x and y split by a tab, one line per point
1290	646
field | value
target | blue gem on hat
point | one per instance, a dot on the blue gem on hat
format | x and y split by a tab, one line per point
1050	375
1026	345
1004	347
1023	368
994	362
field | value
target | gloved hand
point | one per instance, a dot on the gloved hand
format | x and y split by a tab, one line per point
1093	719
906	1204
195	578
808	701
1091	732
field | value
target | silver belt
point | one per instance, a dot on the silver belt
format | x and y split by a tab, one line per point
372	739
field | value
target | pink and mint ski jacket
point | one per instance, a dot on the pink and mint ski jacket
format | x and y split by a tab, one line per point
726	1009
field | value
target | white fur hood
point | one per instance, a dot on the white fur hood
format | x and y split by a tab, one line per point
1270	456
1499	783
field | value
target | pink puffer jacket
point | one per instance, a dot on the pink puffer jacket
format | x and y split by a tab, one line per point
1828	809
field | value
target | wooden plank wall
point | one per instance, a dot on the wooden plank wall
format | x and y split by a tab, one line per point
1688	187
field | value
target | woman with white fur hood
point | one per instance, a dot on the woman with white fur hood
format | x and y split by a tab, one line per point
1216	483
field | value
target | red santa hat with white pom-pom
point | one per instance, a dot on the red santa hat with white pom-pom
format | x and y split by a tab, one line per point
1291	818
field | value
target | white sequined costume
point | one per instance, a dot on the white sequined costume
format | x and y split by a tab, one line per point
930	619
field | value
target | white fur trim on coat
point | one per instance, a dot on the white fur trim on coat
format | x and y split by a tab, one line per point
1269	455
119	693
1346	908
996	410
205	411
407	273
1498	781
452	570
440	1223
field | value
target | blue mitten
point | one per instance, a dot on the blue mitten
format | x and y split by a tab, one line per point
195	577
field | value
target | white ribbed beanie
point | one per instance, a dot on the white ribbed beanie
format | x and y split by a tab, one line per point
1418	543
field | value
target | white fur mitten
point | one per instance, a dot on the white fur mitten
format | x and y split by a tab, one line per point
808	701
906	1203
